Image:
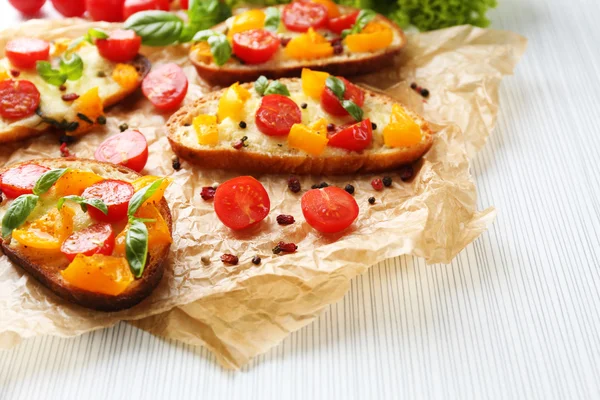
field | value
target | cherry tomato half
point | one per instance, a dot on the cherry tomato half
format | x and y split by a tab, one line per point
121	46
95	239
70	8
355	137
165	86
27	7
105	10
277	114
255	46
133	6
301	15
18	99
21	180
184	4
25	52
329	210
129	149
116	196
332	105
242	202
342	22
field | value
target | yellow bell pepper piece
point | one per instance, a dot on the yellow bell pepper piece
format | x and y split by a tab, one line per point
402	130
59	46
251	19
158	231
47	232
313	82
308	46
333	10
307	139
126	76
75	182
206	129
231	104
375	36
202	52
4	76
99	274
144	181
320	127
90	105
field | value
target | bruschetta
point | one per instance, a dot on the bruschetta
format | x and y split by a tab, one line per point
280	41
94	233
318	124
66	84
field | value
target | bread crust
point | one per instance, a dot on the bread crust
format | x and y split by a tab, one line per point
49	273
262	162
363	63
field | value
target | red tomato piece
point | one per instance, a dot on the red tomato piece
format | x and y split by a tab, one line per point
116	196
121	46
301	15
165	86
18	99
25	52
184	4
134	6
95	239
70	8
355	137
332	105
242	202
329	210
342	22
27	7
105	10
255	46
129	149
21	180
277	114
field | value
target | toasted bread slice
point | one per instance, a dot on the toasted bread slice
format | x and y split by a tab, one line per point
97	73
267	154
345	64
45	266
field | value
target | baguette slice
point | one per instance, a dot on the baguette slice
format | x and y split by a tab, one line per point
346	64
265	154
46	267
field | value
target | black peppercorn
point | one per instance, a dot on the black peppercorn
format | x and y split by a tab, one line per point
256	260
413	86
323	185
243	124
176	164
424	92
123	127
315	186
387	181
373	126
304	106
330	127
349	188
294	184
101	120
371	200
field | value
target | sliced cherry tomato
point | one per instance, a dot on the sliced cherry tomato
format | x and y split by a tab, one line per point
21	180
116	196
301	15
18	99
329	210
128	148
355	137
96	239
70	8
105	10
27	7
332	104
342	22
255	46
165	86
133	6
277	114
121	46
184	4
242	202
25	52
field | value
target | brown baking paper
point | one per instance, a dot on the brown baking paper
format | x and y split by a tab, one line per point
241	311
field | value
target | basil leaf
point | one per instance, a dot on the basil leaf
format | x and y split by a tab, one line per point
136	247
364	17
272	19
141	196
261	85
50	75
47	180
97	33
337	86
156	28
202	36
203	14
276	87
353	109
84	203
220	48
18	212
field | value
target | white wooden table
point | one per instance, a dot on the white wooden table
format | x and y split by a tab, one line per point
514	317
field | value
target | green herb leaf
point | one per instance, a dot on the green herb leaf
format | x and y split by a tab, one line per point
50	75
156	28
202	36
72	67
261	85
141	196
17	213
364	17
47	180
219	45
97	33
353	109
84	203
337	86
203	14
276	87
273	19
136	247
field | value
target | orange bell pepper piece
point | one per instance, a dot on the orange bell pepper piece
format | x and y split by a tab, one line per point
333	10
402	130
47	232
313	82
99	274
144	181
308	46
75	182
126	76
375	36
158	231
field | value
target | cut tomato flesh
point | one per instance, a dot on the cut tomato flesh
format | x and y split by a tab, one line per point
21	180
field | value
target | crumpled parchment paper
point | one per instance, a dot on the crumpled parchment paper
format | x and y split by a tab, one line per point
241	311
